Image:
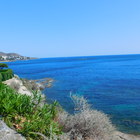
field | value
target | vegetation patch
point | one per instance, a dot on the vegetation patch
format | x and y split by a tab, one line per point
85	123
5	74
24	114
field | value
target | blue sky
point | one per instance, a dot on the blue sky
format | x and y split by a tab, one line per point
56	28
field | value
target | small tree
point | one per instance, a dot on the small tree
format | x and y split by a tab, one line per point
2	66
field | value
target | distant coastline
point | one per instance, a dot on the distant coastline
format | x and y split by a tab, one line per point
17	60
10	57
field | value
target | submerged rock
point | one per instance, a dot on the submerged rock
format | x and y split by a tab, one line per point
123	136
7	133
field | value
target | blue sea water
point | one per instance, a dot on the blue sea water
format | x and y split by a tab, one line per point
110	83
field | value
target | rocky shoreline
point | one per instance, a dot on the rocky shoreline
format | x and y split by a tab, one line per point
20	85
24	86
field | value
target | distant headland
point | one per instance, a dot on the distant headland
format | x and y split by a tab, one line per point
6	57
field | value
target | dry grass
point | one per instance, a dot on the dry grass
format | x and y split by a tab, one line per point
85	124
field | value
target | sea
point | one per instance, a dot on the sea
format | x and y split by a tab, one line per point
111	84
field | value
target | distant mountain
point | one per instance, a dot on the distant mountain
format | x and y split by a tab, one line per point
9	54
2	54
13	57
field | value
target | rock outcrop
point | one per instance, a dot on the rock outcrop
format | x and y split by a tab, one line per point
7	133
17	84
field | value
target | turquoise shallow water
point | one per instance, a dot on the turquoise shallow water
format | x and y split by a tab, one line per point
110	83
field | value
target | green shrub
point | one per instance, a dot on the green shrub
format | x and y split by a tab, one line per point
25	114
6	74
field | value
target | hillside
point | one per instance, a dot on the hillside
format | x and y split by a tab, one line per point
13	57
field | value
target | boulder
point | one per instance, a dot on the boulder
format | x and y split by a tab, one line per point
7	133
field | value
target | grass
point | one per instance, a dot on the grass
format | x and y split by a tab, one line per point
26	116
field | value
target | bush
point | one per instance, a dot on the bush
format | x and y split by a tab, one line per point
86	123
23	113
6	74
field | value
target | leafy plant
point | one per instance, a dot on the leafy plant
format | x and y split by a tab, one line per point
26	115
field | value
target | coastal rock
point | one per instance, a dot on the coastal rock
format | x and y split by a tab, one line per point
8	134
17	84
44	83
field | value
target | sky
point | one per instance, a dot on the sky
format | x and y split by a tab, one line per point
61	28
